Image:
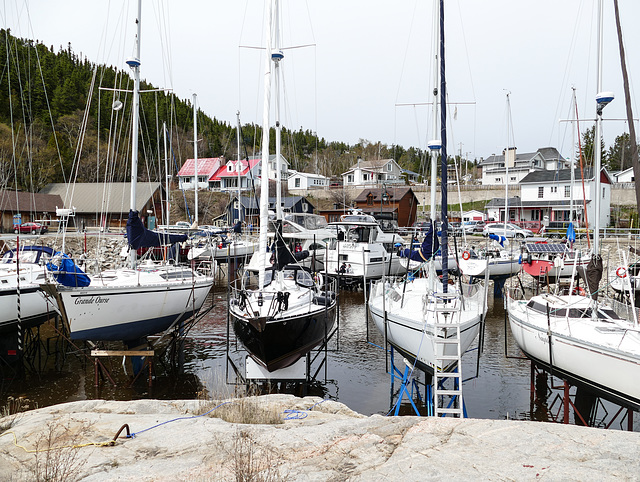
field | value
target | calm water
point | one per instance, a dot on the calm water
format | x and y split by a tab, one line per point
355	370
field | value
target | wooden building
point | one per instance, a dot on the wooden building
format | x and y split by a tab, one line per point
28	206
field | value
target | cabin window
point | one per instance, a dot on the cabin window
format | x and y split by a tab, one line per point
540	192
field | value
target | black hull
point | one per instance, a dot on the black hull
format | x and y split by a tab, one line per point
284	341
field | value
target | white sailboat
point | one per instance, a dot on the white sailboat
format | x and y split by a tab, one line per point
584	338
421	317
288	311
139	300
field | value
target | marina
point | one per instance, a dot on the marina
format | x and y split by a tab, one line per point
355	371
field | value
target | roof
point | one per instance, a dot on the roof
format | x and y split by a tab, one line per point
247	165
18	201
547	153
206	166
306	174
91	197
395	193
555	176
251	202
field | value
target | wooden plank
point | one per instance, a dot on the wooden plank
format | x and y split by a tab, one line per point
122	353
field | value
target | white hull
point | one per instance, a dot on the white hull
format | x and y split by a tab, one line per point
130	304
363	261
601	353
234	250
410	324
502	266
35	307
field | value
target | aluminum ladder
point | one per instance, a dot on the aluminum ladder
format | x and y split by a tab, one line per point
447	401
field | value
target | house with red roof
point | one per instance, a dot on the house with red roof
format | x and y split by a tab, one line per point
207	167
246	172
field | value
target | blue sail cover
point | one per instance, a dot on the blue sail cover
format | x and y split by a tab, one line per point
141	237
571	233
67	273
499	239
425	252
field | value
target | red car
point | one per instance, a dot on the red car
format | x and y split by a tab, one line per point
33	228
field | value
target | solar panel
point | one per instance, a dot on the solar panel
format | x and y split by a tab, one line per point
552	248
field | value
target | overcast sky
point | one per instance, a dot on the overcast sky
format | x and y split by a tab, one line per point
363	58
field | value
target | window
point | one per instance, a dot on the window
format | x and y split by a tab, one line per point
498	179
567	191
365	177
297	182
369	199
513	178
389	167
540	192
350	178
602	193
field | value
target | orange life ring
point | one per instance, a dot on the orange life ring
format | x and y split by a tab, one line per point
621	272
466	255
579	290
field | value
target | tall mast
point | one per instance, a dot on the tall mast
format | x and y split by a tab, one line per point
277	55
443	156
166	171
134	64
597	139
239	164
435	143
264	180
195	153
507	156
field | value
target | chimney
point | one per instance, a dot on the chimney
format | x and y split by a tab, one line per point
510	156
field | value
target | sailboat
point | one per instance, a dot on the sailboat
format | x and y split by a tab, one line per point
289	311
584	338
422	316
142	299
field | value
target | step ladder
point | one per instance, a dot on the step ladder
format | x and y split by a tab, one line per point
447	401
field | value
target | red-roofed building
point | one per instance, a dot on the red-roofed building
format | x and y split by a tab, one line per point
207	167
226	177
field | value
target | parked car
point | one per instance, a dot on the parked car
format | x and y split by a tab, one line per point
33	228
479	227
512	231
468	226
558	230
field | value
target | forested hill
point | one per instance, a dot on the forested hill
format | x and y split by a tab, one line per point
57	124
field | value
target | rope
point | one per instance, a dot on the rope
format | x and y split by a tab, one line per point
292	414
49	449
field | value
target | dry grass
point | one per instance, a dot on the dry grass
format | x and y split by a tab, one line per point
57	459
13	411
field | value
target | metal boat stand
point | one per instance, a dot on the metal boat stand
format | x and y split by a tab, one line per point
587	404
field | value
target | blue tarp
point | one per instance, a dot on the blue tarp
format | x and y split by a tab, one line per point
67	273
141	237
429	246
571	233
499	239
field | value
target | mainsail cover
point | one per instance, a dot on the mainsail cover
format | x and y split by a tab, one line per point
282	255
425	252
141	237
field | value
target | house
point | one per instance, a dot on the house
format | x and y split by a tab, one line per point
26	207
472	215
371	173
248	211
303	180
519	165
106	206
624	176
206	168
396	203
547	196
226	178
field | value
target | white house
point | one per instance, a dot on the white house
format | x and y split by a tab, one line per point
519	165
207	167
625	176
472	215
371	173
303	180
547	195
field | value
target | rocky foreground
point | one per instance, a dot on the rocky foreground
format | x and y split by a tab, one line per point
298	439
